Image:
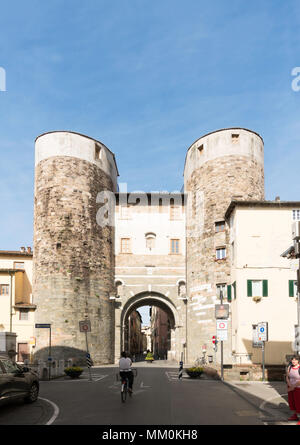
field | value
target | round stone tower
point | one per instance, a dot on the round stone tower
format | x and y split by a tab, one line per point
220	167
73	254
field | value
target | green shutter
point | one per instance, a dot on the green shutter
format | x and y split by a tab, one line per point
265	288
291	288
249	288
229	292
234	287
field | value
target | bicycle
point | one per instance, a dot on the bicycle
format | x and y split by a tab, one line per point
201	361
124	386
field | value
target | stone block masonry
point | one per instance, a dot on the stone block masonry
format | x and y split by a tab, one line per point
73	259
222	166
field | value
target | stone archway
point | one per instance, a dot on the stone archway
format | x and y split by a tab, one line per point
148	298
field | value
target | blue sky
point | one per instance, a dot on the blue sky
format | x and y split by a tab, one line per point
147	79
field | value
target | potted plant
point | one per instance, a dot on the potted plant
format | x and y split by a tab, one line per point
194	372
256	299
73	371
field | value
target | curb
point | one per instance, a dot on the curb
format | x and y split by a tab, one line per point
236	391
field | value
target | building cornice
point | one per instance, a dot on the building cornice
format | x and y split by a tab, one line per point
265	204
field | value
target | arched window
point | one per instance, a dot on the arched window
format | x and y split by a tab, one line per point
181	289
150	240
119	285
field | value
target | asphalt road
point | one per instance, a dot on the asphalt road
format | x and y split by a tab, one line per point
159	399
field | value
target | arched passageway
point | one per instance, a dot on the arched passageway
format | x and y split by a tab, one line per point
166	347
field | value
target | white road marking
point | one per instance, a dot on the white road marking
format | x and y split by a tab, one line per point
56	411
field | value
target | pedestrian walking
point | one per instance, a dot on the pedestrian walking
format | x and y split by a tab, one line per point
293	387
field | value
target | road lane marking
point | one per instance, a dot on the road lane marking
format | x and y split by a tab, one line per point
56	411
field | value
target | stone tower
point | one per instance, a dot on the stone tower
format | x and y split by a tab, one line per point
222	166
73	254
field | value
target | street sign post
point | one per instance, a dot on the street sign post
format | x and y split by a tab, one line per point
46	326
222	311
262	331
85	326
222	315
222	330
255	342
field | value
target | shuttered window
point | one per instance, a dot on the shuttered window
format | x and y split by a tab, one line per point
234	290
293	288
229	293
257	288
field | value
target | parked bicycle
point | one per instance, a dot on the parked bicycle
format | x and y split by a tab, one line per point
201	361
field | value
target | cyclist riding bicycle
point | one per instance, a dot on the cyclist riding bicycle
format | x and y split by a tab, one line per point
125	364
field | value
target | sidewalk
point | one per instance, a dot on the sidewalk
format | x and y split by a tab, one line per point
270	398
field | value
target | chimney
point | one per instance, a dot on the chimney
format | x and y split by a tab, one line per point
22	249
28	249
277	199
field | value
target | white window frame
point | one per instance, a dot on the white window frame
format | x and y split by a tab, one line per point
221	250
259	287
223	287
128	248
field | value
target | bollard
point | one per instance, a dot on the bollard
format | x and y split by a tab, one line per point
180	370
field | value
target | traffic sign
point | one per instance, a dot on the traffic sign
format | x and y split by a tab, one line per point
43	325
85	326
222	311
255	342
262	329
222	329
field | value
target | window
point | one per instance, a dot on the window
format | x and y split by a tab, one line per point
4	289
220	226
19	265
235	138
97	152
125	245
150	240
118	285
221	287
23	352
181	289
293	288
257	288
175	212
296	215
9	366
234	290
125	212
23	314
200	148
174	245
221	253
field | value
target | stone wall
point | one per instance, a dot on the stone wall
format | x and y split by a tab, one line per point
73	260
211	185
